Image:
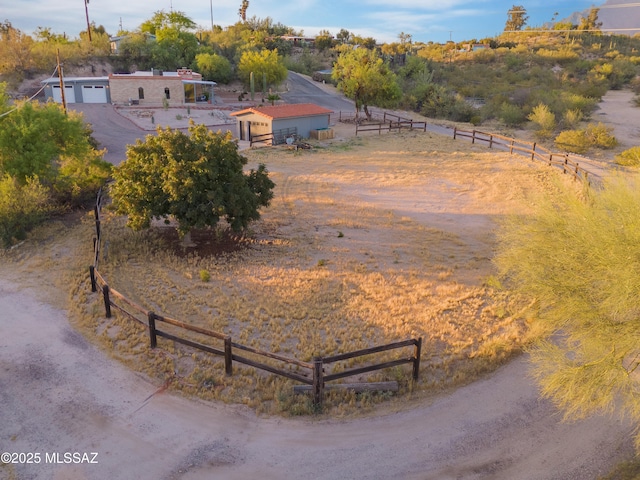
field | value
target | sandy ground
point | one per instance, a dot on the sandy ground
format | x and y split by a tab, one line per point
60	394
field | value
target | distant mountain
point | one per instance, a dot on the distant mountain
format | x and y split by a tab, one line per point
615	17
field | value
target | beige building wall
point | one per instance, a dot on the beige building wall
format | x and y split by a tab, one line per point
127	87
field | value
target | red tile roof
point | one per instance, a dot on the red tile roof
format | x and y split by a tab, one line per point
286	110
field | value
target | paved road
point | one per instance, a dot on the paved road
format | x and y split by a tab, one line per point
304	90
113	131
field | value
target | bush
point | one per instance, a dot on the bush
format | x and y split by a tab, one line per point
579	141
511	115
21	208
544	118
574	141
629	158
599	135
572	118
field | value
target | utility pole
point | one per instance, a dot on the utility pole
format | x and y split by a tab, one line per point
64	102
86	11
211	4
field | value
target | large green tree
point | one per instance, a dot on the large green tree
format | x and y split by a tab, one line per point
365	78
214	67
264	63
578	260
40	140
196	178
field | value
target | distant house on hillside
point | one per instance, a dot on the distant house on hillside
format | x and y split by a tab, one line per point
115	42
299	41
281	121
475	47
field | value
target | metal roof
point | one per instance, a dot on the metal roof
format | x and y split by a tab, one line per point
286	111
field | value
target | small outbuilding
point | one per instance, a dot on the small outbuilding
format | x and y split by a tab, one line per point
278	122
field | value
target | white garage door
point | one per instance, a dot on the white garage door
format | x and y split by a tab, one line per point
69	94
94	94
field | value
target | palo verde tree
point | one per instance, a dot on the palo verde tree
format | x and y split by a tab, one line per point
264	64
197	179
47	163
40	140
578	260
516	18
365	78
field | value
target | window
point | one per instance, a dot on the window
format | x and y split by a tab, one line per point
166	93
141	93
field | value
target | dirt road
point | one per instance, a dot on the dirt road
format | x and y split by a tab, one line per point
59	394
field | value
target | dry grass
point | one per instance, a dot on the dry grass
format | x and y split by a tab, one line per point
368	241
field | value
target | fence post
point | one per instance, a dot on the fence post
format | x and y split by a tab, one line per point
153	340
491	141
107	302
550	159
566	162
455	130
511	147
318	383
473	137
533	152
417	351
228	358
92	275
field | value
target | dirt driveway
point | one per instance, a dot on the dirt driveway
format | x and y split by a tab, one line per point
60	395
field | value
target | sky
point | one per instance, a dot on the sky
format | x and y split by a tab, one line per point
425	20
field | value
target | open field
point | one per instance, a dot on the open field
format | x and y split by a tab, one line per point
432	222
368	241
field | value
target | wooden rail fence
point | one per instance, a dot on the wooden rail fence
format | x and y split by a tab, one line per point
388	121
568	163
311	374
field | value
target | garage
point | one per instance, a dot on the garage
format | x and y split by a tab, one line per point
69	94
94	94
78	90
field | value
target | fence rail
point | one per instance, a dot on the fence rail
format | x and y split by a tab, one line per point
567	162
312	372
384	121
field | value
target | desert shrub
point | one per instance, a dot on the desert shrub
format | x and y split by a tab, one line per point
562	55
579	141
511	115
574	141
571	118
629	158
544	119
435	101
599	135
475	120
22	206
584	104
